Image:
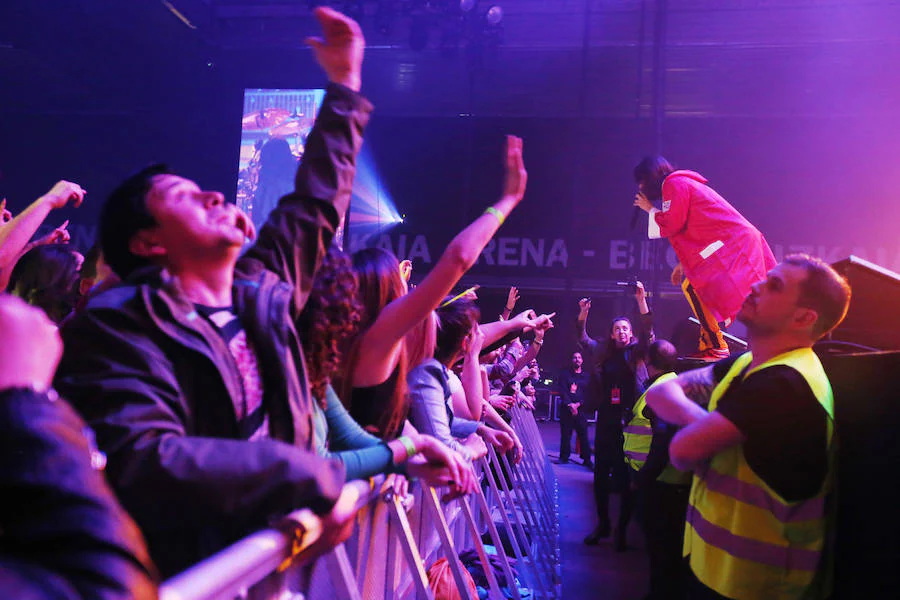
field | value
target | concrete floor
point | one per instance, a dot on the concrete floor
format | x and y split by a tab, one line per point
592	571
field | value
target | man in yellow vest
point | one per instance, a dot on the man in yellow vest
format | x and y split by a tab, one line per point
662	489
757	524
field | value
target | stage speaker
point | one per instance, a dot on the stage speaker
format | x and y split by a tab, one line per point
867	422
874	316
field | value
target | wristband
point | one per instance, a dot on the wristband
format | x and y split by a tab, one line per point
490	210
408	444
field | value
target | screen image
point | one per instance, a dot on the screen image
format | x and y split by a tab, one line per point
274	128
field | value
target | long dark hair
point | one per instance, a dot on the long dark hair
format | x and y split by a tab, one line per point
652	171
329	319
378	274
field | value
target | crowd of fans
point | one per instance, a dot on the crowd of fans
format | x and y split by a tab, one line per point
222	377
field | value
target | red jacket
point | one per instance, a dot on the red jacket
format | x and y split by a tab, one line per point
722	253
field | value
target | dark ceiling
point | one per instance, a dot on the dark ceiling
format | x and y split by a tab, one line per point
565	57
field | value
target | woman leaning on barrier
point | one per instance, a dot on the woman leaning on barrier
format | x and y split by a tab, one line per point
329	319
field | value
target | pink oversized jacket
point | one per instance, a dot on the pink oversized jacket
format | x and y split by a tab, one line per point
722	253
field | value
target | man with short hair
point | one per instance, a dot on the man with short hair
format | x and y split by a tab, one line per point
762	450
196	353
573	389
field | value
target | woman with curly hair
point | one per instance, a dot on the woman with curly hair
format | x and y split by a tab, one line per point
330	318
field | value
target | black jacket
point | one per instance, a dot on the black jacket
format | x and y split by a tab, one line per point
62	532
158	383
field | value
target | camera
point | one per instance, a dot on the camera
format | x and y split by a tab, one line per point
629	285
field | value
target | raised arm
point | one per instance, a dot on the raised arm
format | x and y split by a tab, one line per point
15	235
381	342
585	342
299	230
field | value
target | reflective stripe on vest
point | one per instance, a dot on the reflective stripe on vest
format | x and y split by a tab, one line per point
744	540
639	436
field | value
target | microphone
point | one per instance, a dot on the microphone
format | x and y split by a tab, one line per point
634	217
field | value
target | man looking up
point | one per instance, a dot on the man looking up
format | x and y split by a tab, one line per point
762	451
196	353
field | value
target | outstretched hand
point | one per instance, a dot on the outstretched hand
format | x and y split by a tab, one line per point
340	50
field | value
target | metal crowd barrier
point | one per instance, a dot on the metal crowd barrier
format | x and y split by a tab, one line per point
515	511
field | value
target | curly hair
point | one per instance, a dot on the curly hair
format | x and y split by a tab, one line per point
330	318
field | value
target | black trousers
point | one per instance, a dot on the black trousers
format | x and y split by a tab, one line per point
611	476
569	423
665	506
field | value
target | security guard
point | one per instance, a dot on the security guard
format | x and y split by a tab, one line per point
763	452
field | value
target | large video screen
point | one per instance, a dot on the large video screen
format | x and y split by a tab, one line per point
274	128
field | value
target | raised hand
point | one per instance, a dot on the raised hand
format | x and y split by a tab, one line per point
5	215
340	51
516	175
62	192
639	293
60	235
476	341
512	298
584	307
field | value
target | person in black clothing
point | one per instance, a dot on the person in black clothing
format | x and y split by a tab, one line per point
196	353
573	388
662	489
619	374
62	532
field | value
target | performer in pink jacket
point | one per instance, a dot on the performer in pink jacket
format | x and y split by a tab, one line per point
721	253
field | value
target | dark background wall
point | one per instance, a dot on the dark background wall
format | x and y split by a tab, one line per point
789	107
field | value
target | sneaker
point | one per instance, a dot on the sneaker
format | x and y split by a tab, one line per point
588	464
563	461
711	355
600	532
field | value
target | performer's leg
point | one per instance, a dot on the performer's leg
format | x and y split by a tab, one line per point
711	337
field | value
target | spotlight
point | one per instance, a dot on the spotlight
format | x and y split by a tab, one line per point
494	15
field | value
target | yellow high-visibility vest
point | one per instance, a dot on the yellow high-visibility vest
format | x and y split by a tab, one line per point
744	540
639	436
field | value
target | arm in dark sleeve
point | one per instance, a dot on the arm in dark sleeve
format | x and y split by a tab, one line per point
362	454
658	456
64	534
299	230
124	386
646	334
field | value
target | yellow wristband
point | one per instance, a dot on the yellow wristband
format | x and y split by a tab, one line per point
408	444
490	210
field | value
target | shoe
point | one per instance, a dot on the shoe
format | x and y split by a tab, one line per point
563	461
710	355
588	464
600	532
619	541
